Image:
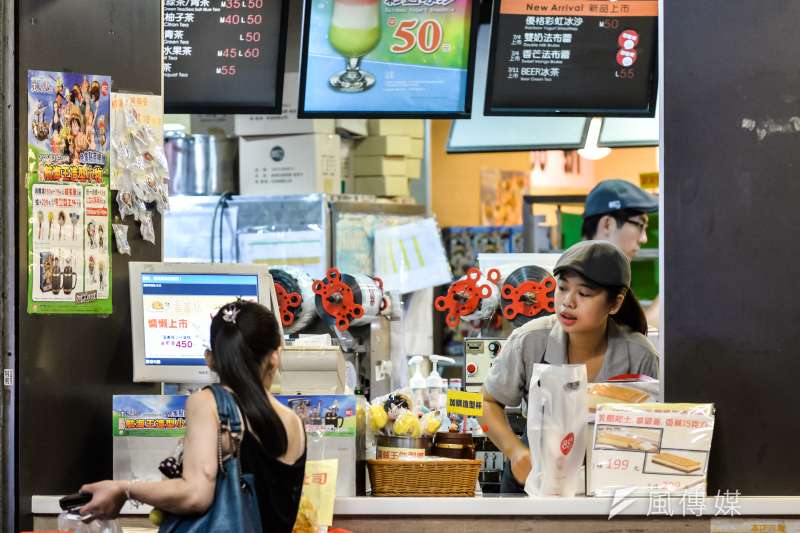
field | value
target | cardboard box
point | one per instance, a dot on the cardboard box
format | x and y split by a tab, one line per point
284	124
417	148
397	145
410	127
413	168
348	166
355	127
376	165
382	185
292	164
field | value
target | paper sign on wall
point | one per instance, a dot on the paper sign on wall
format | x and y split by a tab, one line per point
410	257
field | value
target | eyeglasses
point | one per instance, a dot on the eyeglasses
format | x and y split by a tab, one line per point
639	224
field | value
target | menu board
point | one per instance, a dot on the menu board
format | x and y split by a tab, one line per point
224	56
573	57
406	58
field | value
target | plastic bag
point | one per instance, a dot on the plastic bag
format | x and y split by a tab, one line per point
121	236
557	405
70	521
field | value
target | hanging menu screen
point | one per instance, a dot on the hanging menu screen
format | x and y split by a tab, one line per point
224	56
573	57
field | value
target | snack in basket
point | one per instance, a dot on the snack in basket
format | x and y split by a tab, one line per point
377	417
407	425
677	462
431	422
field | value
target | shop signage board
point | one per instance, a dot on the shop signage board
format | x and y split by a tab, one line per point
465	403
388	57
224	56
69	242
573	57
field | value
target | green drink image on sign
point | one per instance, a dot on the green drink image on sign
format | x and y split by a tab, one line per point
355	30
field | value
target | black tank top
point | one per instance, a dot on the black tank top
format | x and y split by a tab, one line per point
278	485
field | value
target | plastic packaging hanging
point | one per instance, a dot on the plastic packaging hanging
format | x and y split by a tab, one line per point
68	521
148	233
557	406
121	236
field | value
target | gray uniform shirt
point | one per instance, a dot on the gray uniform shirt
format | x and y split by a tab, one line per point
544	341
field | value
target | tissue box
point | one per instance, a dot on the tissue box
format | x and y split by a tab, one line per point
414	168
398	145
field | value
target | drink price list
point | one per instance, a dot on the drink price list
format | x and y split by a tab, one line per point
573	57
223	56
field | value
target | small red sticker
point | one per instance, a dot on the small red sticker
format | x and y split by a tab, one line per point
567	443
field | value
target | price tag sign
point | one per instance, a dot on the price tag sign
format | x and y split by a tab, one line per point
404	57
465	403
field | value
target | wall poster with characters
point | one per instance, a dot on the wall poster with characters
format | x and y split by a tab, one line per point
69	260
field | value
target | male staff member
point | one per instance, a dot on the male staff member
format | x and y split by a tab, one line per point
617	211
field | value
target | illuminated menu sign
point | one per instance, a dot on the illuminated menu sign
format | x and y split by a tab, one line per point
388	58
580	57
224	56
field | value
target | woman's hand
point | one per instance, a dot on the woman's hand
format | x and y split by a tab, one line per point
521	464
108	497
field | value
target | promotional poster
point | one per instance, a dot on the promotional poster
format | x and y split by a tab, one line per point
331	415
68	193
149	416
387	56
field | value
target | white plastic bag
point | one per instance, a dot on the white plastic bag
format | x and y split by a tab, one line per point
557	405
71	521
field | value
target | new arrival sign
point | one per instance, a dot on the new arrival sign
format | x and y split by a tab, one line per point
404	57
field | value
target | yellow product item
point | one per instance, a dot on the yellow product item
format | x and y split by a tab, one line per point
156	517
306	521
431	423
377	417
407	425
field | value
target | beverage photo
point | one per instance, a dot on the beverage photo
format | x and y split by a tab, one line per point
354	32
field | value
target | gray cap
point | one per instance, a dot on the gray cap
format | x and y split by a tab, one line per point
598	261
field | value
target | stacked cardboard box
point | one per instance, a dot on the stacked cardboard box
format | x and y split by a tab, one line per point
282	154
385	160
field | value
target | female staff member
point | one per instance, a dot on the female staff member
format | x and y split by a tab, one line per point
598	322
245	352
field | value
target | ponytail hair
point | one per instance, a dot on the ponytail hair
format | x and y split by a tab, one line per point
243	335
630	312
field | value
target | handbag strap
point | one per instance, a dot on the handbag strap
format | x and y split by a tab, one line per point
230	420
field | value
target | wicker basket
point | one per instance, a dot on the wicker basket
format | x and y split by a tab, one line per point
423	478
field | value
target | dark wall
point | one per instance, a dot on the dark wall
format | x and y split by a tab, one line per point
731	224
70	366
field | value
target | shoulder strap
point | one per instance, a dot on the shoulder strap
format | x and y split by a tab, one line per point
230	417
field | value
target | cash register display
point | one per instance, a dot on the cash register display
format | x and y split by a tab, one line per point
177	310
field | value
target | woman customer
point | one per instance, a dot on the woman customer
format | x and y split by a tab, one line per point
245	353
598	322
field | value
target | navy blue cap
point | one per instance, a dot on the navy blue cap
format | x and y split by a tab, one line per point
615	195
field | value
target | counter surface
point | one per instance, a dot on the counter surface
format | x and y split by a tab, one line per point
514	505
